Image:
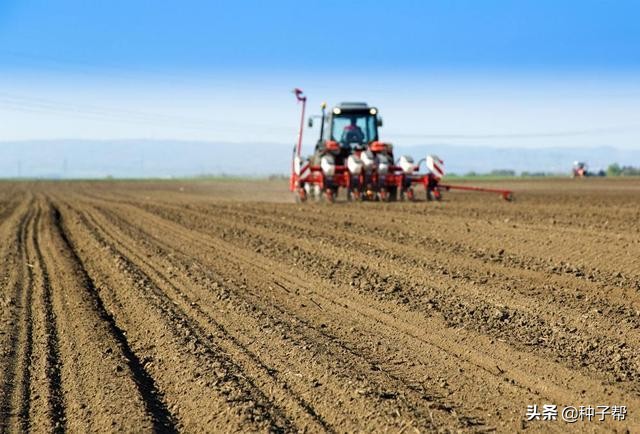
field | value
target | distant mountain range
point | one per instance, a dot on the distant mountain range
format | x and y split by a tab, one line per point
173	158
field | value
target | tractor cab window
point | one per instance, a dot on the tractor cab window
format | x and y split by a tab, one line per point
353	130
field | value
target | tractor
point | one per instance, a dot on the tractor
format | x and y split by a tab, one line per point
580	170
350	156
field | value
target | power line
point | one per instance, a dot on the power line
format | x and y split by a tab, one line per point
39	105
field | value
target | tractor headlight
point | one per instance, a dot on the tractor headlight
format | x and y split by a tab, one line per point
373	111
336	111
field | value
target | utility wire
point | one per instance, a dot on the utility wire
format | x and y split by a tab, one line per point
39	105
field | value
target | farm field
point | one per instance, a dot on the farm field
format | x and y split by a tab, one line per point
223	306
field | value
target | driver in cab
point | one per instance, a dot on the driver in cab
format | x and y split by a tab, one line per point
352	133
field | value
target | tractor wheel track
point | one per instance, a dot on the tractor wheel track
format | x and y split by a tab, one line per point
222	378
14	399
54	402
70	358
162	419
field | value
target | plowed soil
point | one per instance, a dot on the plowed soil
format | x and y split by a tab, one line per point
223	306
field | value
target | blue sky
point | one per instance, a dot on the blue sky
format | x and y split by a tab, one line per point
512	73
277	35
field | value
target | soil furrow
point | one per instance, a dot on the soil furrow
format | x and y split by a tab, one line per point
162	420
497	316
605	286
53	361
205	319
255	304
165	231
192	241
88	379
222	378
14	400
202	306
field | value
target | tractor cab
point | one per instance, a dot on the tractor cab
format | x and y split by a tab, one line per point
349	126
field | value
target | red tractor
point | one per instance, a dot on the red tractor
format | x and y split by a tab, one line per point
349	155
580	170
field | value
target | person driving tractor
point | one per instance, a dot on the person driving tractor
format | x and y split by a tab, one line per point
352	133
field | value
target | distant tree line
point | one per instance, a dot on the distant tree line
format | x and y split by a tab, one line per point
537	174
616	170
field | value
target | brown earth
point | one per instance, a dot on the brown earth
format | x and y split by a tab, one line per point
220	306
